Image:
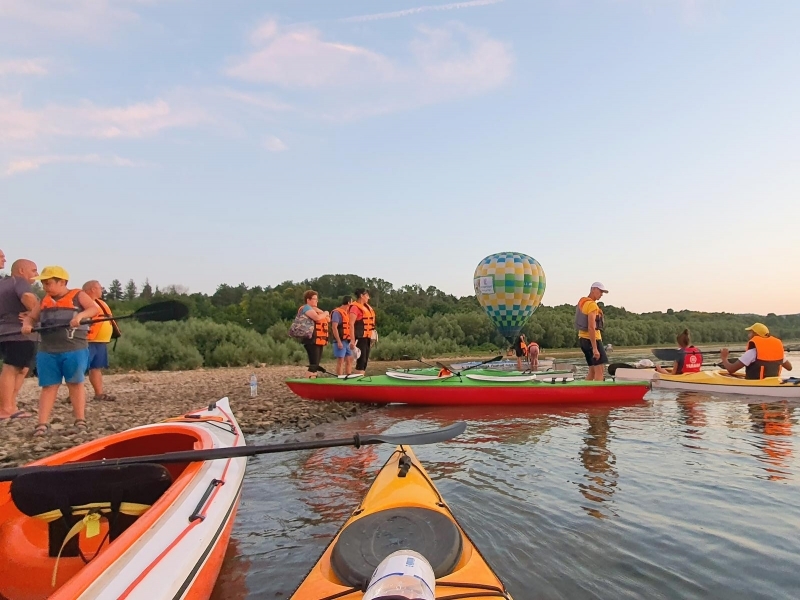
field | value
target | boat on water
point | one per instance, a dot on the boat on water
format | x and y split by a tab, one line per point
715	382
402	510
475	387
132	531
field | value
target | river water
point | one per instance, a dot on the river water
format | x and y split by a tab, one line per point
679	496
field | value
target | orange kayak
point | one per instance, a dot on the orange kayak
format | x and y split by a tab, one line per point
138	531
402	510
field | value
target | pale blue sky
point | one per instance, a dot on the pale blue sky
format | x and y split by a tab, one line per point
649	144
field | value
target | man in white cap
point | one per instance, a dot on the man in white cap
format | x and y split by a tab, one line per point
589	323
764	356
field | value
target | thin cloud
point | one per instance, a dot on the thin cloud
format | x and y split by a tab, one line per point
397	14
275	144
23	66
75	18
22	165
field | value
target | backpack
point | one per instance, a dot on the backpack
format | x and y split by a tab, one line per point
302	328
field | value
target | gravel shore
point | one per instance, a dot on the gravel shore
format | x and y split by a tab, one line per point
148	397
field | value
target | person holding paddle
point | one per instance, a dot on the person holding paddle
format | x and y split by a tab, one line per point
590	323
16	349
764	356
690	360
64	350
99	336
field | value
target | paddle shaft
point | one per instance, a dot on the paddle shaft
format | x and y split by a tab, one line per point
427	437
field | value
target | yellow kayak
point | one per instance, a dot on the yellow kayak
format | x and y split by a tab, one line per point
402	510
723	383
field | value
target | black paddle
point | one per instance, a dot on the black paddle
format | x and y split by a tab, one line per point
400	439
168	310
457	373
419	360
674	354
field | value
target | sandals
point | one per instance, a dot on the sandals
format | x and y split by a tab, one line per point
106	397
41	429
20	414
80	424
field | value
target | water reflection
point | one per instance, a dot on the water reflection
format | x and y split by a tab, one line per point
772	422
599	462
692	414
232	581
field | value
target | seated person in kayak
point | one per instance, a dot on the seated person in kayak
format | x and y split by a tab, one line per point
690	361
764	356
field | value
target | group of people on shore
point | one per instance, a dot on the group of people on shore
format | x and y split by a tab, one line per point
53	334
350	327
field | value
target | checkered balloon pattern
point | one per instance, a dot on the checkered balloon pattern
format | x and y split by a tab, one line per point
510	287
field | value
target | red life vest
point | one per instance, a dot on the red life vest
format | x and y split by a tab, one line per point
691	362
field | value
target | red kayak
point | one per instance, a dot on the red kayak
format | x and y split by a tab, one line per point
464	390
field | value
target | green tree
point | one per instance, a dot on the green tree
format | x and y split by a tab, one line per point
147	290
115	290
130	290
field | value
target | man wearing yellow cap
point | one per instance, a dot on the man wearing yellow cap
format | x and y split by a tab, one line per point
64	350
764	356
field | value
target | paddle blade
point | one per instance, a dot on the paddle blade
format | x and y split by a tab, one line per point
417	439
612	368
168	310
671	354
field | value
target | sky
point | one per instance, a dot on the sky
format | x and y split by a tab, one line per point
652	145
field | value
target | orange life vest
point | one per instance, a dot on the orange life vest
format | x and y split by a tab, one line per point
344	326
769	358
62	311
320	333
94	328
365	324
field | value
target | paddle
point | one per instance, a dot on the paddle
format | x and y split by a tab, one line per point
674	354
168	310
457	373
419	360
400	439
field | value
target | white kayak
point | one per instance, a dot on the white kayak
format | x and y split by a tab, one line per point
160	531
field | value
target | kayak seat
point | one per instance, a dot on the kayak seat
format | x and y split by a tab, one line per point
64	499
364	543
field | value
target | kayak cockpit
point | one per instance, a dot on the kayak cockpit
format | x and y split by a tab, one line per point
54	524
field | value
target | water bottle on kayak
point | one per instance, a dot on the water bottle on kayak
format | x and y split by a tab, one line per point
402	574
253	386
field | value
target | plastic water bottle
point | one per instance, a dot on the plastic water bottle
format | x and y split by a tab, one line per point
253	386
402	574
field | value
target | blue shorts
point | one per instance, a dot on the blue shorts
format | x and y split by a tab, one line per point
344	352
98	355
67	366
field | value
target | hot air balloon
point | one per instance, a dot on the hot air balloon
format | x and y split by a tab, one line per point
509	286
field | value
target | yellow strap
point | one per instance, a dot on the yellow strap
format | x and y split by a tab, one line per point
126	508
91	522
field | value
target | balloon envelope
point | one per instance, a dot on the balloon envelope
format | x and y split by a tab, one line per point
510	287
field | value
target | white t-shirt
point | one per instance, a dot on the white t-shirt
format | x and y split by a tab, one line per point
748	357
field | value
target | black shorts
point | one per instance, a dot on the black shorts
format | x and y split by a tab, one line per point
519	352
18	354
586	346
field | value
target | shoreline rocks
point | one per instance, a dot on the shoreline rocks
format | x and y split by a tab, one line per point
149	397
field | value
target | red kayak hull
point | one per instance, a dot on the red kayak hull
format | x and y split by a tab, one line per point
451	395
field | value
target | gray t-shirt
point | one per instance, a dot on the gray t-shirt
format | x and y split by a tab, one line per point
11	291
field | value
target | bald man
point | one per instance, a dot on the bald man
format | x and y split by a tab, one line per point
16	299
99	337
2	260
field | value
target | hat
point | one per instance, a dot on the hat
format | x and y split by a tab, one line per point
53	272
600	286
759	329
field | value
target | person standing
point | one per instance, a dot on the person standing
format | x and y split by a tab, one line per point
520	349
316	344
362	320
764	356
590	323
64	351
99	336
2	260
17	350
342	335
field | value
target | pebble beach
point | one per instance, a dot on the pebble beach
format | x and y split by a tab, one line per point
149	397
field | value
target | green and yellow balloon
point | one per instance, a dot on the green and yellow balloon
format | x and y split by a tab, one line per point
510	287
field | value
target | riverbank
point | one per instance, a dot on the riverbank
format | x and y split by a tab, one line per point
151	396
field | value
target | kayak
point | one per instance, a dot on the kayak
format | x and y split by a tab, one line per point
402	510
164	529
715	382
503	365
473	388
